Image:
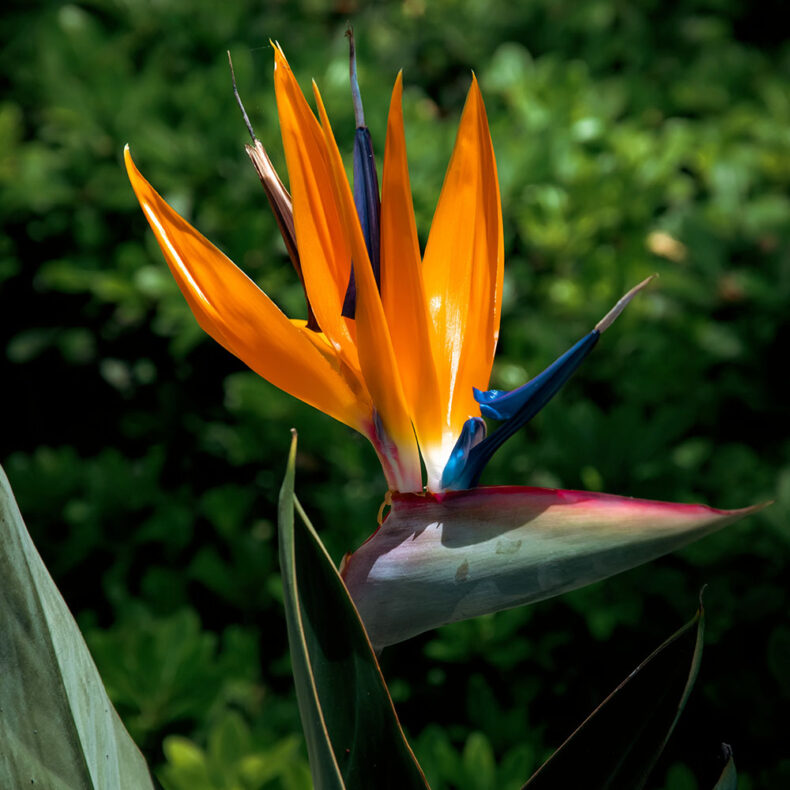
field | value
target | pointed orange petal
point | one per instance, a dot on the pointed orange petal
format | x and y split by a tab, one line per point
323	250
403	297
352	377
463	264
238	315
376	355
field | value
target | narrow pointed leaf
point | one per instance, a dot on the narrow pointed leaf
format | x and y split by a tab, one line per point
58	728
446	557
618	744
354	739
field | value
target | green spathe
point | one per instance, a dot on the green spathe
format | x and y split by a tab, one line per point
437	559
58	728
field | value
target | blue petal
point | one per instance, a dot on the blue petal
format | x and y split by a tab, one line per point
473	432
487	396
514	409
532	396
368	205
366	197
366	186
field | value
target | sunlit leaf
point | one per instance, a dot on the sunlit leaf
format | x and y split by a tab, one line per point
58	728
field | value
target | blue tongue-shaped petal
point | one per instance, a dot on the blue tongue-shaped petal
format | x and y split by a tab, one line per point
517	407
366	187
473	432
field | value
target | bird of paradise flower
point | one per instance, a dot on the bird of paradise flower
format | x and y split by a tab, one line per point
400	347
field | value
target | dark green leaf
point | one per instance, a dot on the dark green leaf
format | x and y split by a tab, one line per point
58	728
620	741
353	736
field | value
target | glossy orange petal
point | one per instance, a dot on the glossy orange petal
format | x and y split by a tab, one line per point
463	264
403	297
376	354
323	249
321	342
237	314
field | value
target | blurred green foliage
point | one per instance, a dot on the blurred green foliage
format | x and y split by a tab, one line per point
630	138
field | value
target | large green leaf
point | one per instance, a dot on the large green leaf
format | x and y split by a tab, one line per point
353	736
619	742
58	729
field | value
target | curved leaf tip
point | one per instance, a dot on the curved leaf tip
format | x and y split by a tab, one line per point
618	744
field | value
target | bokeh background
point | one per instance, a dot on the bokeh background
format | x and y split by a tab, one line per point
631	138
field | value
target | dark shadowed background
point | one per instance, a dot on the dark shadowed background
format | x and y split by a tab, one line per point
631	138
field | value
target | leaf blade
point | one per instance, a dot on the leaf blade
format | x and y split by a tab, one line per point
58	727
614	749
353	734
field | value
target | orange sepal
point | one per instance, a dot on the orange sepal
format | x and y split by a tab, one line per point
376	355
239	316
323	250
463	264
403	295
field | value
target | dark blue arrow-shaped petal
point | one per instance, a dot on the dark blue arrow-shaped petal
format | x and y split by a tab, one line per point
366	187
473	432
517	407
